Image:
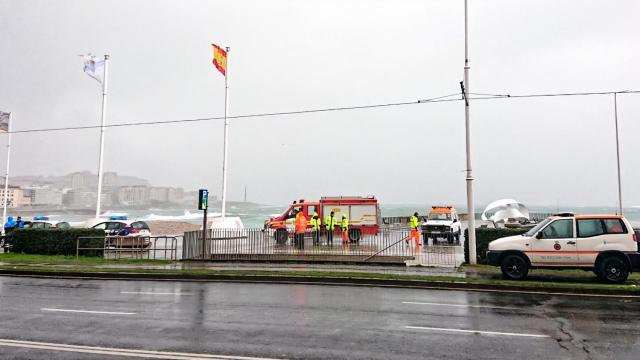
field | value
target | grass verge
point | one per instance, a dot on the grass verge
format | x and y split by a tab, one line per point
488	271
15	258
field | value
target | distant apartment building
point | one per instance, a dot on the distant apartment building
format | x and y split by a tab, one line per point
165	195
16	197
132	195
83	180
78	199
44	195
47	197
110	179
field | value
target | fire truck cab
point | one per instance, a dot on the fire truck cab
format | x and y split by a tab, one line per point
363	214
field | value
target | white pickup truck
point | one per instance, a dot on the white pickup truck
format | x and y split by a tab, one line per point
605	244
442	222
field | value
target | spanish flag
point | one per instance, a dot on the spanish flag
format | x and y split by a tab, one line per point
220	59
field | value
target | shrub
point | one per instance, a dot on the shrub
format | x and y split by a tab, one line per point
483	237
55	241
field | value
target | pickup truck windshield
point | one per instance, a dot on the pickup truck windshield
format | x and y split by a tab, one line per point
434	216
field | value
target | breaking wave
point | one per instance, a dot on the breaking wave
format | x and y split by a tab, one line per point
186	216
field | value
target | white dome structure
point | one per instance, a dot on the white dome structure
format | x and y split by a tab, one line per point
504	209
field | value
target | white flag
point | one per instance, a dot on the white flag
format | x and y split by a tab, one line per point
94	68
4	121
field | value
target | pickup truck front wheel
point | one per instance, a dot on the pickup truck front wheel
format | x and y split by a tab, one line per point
612	269
514	267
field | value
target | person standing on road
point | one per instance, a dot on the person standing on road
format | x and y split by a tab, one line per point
301	228
19	223
330	226
315	223
9	225
415	232
344	225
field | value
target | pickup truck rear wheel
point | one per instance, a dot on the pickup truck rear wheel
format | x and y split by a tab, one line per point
612	269
281	236
514	267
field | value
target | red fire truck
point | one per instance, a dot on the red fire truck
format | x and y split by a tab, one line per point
363	214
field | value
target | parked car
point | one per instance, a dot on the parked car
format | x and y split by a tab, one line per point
46	224
124	228
605	244
43	222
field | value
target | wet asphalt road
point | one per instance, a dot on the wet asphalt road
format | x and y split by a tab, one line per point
309	321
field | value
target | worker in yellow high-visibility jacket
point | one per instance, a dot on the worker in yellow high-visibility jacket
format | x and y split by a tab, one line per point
415	229
344	225
315	223
330	223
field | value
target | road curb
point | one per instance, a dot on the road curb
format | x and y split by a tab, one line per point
322	280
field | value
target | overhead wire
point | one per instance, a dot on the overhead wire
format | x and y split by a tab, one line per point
439	99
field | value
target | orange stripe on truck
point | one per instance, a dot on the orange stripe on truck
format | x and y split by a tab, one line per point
560	252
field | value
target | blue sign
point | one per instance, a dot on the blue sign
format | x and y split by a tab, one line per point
203	199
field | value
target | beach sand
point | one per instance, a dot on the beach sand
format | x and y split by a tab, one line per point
171	227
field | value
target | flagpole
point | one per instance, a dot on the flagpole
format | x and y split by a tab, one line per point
226	137
102	124
6	176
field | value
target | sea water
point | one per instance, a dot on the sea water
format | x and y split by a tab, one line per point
253	215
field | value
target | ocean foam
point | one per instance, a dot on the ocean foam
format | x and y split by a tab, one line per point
186	216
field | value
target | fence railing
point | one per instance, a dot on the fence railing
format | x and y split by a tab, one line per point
389	245
131	247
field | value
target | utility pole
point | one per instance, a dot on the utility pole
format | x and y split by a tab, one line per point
6	176
615	110
469	177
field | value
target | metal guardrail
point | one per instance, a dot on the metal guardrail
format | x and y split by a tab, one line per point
393	220
389	245
132	247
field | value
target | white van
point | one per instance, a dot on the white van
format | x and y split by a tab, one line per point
605	244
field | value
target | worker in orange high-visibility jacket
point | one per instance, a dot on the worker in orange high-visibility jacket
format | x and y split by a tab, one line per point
415	233
301	228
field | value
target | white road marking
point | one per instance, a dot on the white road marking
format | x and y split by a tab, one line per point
148	354
460	305
89	311
155	293
479	332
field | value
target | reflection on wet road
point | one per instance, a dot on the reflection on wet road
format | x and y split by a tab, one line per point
70	319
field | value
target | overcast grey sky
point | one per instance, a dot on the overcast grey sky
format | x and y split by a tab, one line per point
291	55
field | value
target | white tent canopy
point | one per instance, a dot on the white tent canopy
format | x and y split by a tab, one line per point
503	209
